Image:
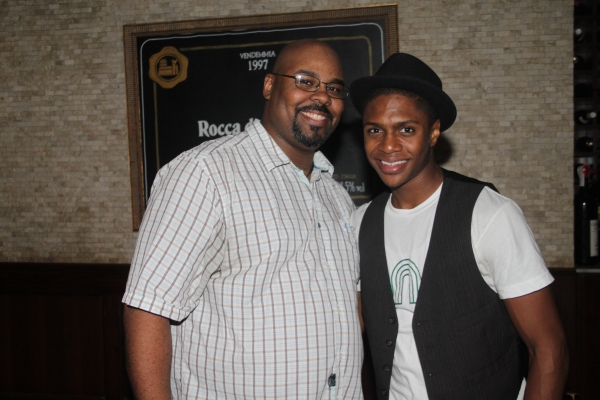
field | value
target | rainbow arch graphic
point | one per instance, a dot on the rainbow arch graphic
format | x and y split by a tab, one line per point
405	280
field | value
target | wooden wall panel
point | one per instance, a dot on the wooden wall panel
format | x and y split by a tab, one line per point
587	364
54	345
61	332
564	290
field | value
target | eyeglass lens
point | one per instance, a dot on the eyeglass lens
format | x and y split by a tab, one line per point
311	84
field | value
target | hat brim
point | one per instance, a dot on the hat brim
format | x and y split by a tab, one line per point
443	104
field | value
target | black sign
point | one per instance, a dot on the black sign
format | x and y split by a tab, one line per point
199	86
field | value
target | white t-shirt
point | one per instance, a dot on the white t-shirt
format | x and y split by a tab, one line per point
505	251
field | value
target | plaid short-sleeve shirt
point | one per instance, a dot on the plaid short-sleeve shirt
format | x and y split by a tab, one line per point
258	266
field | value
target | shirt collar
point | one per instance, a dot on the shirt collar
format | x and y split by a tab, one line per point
271	154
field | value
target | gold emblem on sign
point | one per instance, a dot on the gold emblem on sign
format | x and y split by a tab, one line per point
168	67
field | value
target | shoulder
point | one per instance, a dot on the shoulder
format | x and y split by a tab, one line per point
357	215
217	148
505	248
378	202
490	203
205	154
455	176
494	211
193	169
337	192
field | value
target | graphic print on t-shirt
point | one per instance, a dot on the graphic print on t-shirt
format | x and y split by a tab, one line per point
405	279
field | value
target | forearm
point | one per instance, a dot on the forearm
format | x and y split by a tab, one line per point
536	319
148	351
548	369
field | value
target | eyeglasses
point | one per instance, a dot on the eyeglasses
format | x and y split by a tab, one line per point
311	84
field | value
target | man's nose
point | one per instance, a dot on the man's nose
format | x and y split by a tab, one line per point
389	144
321	95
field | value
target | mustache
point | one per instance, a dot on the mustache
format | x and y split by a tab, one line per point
316	107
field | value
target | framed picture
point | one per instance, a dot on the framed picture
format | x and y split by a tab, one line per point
192	81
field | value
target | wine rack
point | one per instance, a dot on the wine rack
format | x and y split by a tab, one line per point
586	82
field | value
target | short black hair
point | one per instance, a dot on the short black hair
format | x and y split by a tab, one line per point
421	103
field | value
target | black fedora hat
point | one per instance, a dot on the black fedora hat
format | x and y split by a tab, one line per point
407	72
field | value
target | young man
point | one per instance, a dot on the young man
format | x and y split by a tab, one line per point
243	282
452	281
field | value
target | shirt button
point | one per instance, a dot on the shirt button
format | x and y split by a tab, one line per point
392	320
386	368
389	342
331	381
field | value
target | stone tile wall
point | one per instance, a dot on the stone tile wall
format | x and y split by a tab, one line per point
65	191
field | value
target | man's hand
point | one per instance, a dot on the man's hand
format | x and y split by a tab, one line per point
537	322
148	350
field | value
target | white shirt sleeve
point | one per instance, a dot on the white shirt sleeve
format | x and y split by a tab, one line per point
507	255
180	241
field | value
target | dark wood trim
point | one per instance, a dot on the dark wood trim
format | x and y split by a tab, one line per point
586	363
62	331
577	295
564	290
38	396
64	279
61	335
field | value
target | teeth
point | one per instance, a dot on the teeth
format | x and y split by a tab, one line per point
314	116
391	164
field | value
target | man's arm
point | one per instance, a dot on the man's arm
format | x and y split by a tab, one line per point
536	319
148	350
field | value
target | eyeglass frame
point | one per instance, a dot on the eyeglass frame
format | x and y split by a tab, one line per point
296	78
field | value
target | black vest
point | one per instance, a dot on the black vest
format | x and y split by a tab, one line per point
467	345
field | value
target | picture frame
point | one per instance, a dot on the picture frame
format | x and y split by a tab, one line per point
192	81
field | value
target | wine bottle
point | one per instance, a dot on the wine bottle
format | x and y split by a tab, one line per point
584	144
586	221
584	117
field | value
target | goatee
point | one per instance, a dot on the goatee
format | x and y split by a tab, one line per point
315	140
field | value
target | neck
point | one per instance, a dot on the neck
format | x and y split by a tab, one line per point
418	189
304	163
300	156
308	174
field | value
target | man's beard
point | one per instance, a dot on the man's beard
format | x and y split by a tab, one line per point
313	141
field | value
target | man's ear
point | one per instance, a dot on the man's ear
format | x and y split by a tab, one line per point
435	133
268	86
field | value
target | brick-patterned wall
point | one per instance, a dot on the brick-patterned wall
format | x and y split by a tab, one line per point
64	175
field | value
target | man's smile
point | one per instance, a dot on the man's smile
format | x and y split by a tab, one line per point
313	115
392	164
391	167
316	112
